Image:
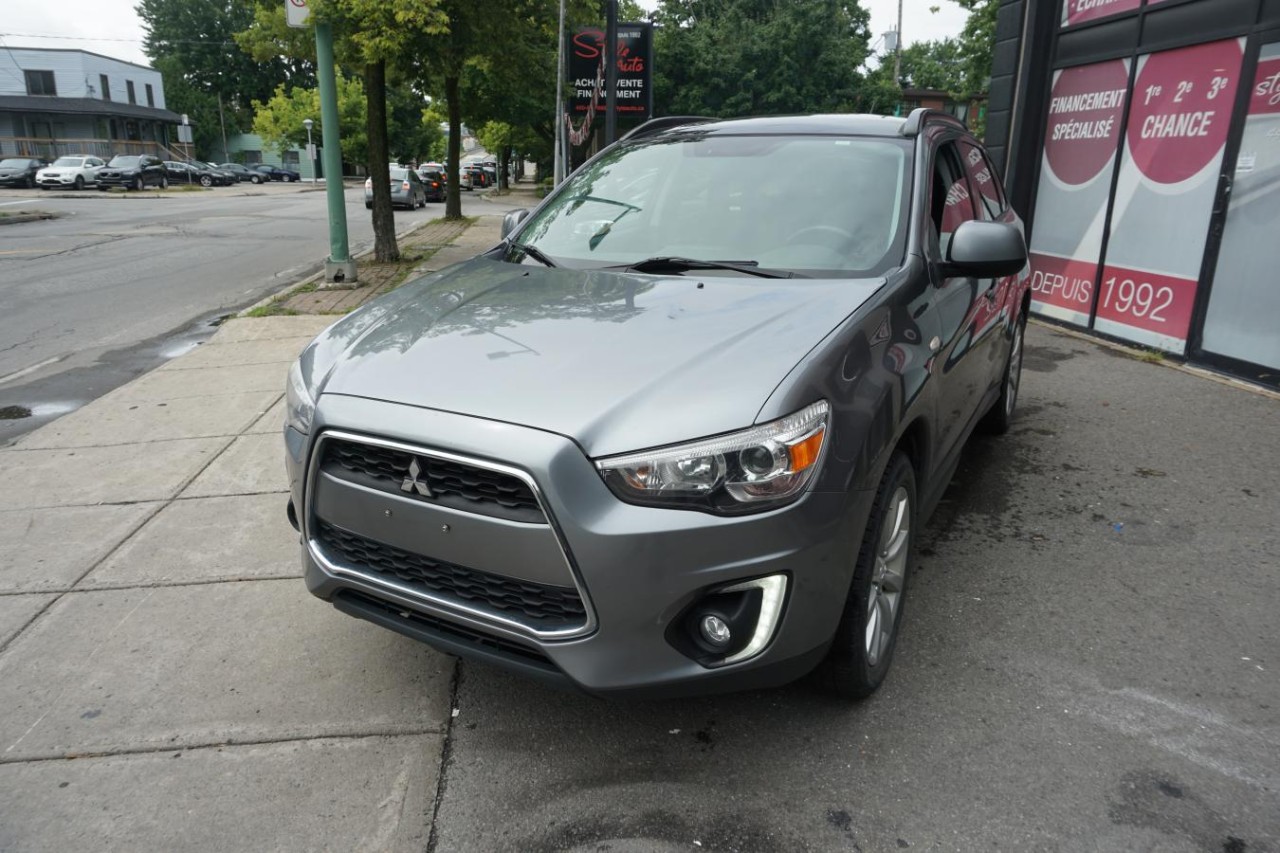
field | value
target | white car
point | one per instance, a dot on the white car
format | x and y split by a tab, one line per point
74	171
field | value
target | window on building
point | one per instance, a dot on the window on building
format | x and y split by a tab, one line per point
40	83
133	96
106	87
151	96
289	158
252	157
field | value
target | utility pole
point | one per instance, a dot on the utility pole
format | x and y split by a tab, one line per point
611	73
557	171
226	155
897	53
338	267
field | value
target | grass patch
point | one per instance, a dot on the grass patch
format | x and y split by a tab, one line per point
1151	356
275	308
185	188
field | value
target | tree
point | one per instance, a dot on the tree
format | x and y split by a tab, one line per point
759	57
977	46
936	65
192	44
279	120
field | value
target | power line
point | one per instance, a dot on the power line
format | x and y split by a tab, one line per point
96	38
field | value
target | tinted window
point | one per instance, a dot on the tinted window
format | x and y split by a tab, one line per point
950	202
125	161
982	181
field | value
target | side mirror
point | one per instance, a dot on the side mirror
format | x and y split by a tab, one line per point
512	220
987	249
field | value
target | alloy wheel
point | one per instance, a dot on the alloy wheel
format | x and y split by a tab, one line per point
888	576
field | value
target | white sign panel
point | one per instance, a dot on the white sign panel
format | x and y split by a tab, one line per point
296	13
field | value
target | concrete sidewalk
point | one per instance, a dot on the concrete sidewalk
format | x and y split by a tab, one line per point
167	682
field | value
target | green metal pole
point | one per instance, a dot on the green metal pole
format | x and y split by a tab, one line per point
339	266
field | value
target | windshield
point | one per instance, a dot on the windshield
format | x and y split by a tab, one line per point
399	174
124	161
814	204
69	161
14	164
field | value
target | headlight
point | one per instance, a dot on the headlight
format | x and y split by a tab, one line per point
746	471
299	406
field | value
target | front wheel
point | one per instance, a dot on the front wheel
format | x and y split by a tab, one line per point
255	180
164	183
206	181
1000	418
868	631
78	184
138	184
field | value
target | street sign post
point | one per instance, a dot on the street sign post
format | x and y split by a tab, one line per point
296	13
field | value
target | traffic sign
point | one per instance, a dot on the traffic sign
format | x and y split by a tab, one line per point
296	13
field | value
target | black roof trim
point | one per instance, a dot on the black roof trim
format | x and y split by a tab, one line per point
84	106
664	123
922	115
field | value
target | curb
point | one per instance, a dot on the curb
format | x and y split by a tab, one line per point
1136	354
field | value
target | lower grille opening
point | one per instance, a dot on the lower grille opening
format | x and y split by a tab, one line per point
484	644
539	606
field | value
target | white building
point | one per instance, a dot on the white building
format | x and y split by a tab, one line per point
55	101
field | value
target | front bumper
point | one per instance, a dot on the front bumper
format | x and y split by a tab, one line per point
637	568
14	181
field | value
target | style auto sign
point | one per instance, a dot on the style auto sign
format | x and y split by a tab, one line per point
586	61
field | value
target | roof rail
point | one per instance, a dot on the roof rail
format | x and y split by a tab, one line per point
654	125
920	115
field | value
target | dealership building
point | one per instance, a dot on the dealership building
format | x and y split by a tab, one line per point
1141	141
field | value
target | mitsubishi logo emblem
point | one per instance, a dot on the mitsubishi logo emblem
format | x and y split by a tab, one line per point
412	483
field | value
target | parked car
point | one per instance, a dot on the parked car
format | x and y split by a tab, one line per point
73	171
433	185
278	173
677	446
20	171
133	172
244	173
221	177
190	173
407	190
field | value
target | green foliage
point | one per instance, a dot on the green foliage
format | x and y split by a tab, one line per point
759	57
936	65
192	44
978	43
279	120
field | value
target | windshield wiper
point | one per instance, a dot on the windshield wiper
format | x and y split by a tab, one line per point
678	264
596	198
535	253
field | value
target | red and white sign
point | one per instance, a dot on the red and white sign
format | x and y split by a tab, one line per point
1079	11
1086	107
1266	90
296	13
1085	110
1182	103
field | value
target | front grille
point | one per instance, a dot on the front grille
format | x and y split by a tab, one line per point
452	484
541	606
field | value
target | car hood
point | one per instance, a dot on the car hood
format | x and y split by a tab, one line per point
615	361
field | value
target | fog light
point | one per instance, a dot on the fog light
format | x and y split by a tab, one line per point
715	631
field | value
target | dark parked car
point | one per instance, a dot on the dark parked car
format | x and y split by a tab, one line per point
221	177
133	172
680	430
278	173
192	173
20	171
479	177
433	184
244	173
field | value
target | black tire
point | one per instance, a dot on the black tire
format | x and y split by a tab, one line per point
78	184
31	183
368	205
139	184
164	183
45	187
102	189
206	181
850	669
999	419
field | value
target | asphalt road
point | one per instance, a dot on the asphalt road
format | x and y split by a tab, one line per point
1090	661
119	283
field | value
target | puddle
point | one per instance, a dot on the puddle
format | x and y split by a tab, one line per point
13	413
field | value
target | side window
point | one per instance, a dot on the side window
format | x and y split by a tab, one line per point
983	181
950	203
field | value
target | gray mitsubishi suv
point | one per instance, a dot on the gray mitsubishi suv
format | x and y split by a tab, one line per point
679	431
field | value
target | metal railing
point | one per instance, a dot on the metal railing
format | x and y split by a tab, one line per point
50	149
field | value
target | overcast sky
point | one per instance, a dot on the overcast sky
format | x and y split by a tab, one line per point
111	27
